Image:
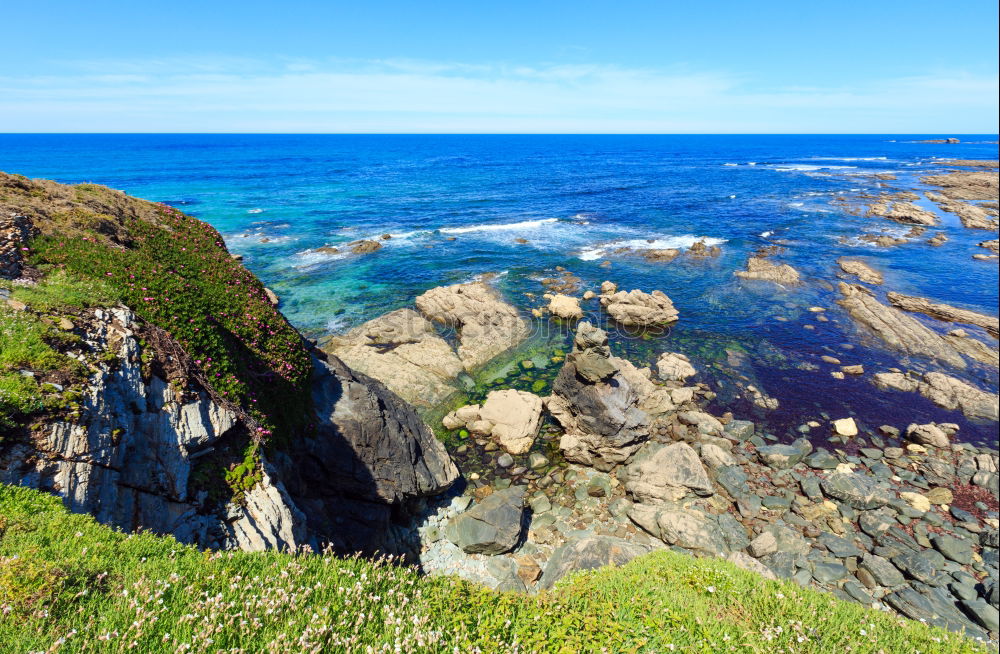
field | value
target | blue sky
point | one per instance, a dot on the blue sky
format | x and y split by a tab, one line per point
881	66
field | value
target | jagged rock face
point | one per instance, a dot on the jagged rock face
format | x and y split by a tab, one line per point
369	451
130	460
15	231
128	463
597	404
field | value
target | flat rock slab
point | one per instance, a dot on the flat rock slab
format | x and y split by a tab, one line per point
857	491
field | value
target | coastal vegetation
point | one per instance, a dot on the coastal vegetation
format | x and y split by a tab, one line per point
69	584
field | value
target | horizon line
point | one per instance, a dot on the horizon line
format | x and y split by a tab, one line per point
319	133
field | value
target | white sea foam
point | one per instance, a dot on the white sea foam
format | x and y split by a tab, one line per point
730	164
847	159
338	325
500	227
732	197
489	278
663	243
808	167
751	163
255	211
766	234
311	257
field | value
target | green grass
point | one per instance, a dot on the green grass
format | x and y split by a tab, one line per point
68	584
62	291
26	343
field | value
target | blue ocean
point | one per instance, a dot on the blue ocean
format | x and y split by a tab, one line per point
514	208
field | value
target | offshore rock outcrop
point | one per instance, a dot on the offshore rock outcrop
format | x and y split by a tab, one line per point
944	391
972	216
861	270
638	309
896	329
760	268
404	351
945	312
966	185
486	325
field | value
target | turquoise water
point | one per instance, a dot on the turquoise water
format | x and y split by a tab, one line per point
574	199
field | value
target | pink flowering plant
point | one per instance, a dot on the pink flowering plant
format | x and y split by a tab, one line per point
177	274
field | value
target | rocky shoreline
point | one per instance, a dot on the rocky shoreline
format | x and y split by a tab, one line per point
903	519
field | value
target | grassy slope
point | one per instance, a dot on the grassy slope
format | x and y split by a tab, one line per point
100	247
68	584
174	271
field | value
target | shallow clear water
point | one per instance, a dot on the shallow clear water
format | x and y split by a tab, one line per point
574	199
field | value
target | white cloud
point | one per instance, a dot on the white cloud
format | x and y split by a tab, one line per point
230	94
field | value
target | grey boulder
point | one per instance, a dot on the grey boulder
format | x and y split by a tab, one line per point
491	527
